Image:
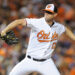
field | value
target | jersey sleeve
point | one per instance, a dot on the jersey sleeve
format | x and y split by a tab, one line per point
32	23
62	29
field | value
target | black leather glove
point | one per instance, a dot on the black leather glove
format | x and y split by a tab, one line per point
10	38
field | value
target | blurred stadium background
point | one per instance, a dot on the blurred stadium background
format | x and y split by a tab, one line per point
64	55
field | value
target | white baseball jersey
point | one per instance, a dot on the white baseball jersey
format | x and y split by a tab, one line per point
43	38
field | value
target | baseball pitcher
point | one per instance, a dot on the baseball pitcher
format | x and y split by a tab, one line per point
43	38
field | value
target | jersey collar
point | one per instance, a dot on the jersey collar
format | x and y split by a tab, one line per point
52	24
48	24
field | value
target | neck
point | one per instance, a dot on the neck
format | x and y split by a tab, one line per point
50	22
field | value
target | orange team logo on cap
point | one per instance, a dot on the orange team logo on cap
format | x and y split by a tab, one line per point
48	6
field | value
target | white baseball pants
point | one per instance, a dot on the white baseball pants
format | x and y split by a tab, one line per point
28	65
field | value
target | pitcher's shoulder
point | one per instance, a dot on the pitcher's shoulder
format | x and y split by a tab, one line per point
42	18
59	24
39	20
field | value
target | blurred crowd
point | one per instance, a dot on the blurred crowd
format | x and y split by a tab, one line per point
64	54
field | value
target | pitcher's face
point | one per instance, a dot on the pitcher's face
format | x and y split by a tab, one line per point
49	16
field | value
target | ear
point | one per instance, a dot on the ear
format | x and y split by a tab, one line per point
55	14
